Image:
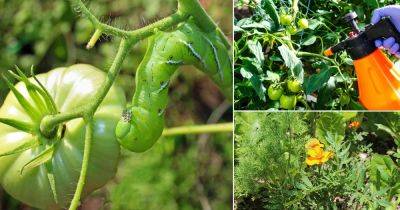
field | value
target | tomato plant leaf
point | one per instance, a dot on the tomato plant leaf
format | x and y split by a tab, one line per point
316	81
289	57
309	40
41	158
298	72
258	86
256	48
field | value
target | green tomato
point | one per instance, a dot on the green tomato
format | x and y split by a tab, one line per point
285	19
294	86
275	92
302	23
344	99
70	87
288	101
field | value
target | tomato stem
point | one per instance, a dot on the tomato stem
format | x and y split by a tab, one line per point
85	162
198	129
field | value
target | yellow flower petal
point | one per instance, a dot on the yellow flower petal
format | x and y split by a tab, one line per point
313	143
315	152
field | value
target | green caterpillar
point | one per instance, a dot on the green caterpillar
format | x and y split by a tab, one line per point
143	122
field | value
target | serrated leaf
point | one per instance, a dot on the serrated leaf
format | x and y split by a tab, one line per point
21	148
41	158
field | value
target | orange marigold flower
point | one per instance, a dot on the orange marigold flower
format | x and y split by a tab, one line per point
355	124
316	154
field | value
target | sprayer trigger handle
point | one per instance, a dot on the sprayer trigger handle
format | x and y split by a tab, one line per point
383	29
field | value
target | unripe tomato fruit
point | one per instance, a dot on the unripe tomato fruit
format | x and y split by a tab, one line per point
344	99
302	23
294	86
285	19
288	101
70	87
275	91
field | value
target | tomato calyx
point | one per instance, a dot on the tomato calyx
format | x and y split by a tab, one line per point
42	103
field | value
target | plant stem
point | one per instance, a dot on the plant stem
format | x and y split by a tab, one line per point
50	122
113	72
197	129
85	162
162	24
308	54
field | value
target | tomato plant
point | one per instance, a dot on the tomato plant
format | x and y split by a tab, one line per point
268	51
60	134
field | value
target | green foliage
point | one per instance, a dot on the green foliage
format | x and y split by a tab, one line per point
270	168
177	173
287	51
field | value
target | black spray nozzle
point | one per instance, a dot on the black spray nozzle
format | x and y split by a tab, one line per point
350	18
362	43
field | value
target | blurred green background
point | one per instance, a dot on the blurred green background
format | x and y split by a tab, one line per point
185	172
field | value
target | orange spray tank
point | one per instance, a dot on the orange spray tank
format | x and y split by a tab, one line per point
378	78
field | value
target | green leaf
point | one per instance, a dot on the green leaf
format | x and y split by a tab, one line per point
348	115
316	81
258	86
309	40
387	130
22	126
23	147
298	72
383	171
289	57
330	123
41	158
256	48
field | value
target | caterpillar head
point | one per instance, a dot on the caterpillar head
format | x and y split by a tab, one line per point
124	124
138	129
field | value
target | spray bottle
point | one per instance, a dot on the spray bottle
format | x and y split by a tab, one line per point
378	78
